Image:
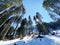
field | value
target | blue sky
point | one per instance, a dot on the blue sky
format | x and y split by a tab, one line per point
33	6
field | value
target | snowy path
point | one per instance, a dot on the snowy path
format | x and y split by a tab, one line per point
47	40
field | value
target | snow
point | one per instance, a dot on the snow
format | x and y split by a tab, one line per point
29	40
32	40
57	32
9	42
55	39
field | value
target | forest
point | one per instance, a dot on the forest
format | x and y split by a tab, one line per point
13	24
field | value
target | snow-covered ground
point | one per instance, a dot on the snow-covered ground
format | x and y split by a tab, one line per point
28	40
